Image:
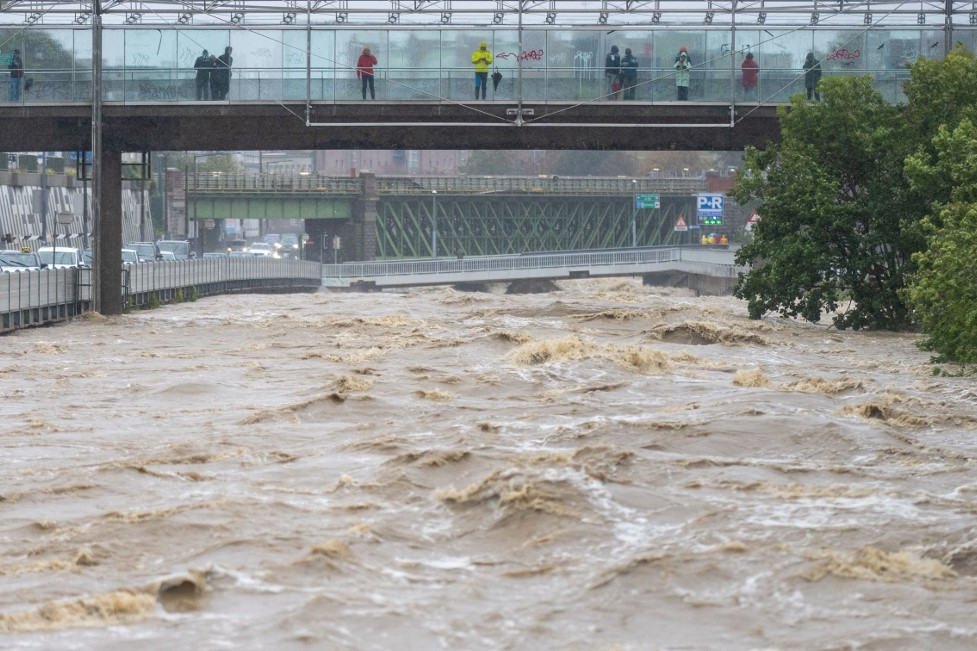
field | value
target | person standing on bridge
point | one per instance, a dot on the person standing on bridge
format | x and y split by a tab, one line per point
202	66
215	84
223	73
612	70
682	76
629	73
482	59
364	70
812	75
750	70
16	76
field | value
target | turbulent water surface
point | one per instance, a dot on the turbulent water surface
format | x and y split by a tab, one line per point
604	466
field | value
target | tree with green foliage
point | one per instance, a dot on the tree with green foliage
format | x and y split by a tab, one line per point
490	162
943	291
835	207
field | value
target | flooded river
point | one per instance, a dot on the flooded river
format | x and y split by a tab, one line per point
604	466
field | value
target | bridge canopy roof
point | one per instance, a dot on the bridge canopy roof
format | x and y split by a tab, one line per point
485	13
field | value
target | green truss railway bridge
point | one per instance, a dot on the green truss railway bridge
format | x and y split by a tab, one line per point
397	218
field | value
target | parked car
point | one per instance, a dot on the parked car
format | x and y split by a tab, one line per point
261	249
129	256
179	248
20	261
146	251
60	257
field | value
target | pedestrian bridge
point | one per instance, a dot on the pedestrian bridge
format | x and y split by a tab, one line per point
711	262
294	85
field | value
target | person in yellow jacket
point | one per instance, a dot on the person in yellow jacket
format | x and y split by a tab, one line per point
482	59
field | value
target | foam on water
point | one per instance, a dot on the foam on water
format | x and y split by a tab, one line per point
611	465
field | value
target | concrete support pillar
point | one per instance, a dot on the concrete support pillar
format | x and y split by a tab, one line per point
108	231
363	230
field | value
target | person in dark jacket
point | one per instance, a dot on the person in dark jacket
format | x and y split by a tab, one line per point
612	70
203	68
364	70
16	76
223	73
812	76
629	73
215	84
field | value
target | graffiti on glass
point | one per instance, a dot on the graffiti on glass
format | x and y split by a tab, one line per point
529	55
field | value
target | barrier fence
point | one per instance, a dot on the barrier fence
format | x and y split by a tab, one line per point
29	298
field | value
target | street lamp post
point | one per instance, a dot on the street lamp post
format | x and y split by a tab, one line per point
434	220
634	213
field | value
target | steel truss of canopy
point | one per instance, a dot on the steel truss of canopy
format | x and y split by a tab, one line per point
393	13
510	225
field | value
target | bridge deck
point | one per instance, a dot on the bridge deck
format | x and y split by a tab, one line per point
255	126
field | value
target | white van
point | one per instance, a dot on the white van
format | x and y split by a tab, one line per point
59	257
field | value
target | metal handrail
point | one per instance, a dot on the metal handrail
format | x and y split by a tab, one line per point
501	263
46	295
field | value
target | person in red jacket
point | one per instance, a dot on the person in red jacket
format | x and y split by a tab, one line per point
750	69
364	70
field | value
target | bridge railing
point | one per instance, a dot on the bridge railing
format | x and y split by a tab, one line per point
272	182
449	84
368	270
36	297
533	184
421	185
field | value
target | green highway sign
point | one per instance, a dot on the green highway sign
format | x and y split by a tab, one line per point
647	201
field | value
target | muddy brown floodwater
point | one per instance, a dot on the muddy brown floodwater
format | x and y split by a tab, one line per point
604	466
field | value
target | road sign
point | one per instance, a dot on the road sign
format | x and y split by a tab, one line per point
752	221
709	208
680	224
647	201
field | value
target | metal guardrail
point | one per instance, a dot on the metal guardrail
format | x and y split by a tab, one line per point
538	184
29	298
272	183
708	261
366	270
410	185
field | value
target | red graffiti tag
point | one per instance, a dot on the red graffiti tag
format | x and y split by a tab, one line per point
844	54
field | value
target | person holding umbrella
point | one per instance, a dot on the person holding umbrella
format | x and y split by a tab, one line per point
482	59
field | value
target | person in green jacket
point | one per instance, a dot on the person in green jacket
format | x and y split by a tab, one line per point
482	59
682	75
